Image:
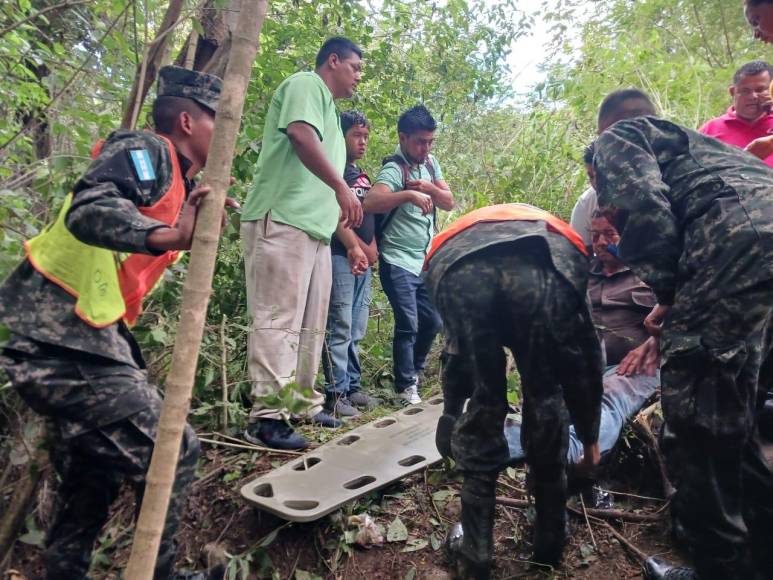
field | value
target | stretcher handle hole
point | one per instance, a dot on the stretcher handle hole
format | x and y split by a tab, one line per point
301	504
263	490
349	439
413	411
412	460
359	482
385	423
306	463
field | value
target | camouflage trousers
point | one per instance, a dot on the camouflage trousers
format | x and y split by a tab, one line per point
717	368
93	460
498	299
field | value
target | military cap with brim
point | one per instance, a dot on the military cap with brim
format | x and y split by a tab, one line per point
175	81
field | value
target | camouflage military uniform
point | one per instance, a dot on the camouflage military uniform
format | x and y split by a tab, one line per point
697	226
515	284
89	383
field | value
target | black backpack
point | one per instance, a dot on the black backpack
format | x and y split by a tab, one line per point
382	219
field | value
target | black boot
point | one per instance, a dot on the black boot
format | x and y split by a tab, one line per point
274	433
462	568
657	569
445	428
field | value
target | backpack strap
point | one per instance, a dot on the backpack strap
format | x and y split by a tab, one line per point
403	165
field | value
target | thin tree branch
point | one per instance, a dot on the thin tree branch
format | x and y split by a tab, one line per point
67	85
39	13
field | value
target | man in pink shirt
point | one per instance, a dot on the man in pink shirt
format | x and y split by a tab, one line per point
749	117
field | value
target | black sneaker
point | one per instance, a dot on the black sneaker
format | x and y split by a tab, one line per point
363	401
597	498
324	419
274	433
657	569
340	407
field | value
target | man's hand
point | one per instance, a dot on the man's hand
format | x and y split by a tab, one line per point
421	185
590	459
358	261
371	251
351	208
644	359
421	200
654	321
761	147
180	237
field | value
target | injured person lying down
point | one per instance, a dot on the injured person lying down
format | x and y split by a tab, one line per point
620	302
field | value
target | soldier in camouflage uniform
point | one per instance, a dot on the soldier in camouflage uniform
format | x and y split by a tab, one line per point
514	284
90	383
696	220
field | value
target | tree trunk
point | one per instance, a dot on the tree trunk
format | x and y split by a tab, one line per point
147	71
210	48
196	292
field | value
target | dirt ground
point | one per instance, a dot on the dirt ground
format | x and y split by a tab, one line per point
258	545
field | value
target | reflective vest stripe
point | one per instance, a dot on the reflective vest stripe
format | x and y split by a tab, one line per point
501	213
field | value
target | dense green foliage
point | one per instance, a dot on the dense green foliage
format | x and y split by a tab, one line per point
73	68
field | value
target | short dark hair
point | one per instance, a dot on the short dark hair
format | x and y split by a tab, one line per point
758	2
616	217
612	104
166	111
416	118
339	45
588	153
751	69
351	118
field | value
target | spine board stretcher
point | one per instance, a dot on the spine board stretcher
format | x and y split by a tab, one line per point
359	461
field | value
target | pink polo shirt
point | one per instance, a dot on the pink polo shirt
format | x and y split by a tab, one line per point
734	131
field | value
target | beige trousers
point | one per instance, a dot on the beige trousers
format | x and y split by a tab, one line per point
288	276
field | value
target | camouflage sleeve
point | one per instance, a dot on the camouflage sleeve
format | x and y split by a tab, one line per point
629	178
132	170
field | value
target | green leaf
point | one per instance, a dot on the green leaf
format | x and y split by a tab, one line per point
397	532
415	544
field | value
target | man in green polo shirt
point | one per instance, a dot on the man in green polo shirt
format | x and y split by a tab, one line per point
406	191
297	200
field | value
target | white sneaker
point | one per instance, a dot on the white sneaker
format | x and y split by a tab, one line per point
410	396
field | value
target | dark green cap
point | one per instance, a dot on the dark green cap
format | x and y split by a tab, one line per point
175	81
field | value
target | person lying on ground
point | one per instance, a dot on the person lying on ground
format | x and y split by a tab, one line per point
620	302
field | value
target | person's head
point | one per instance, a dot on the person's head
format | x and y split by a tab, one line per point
759	14
587	159
416	129
339	63
623	104
184	111
603	235
356	133
751	90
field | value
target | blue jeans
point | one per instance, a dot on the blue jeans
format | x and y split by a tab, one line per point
416	322
347	321
623	398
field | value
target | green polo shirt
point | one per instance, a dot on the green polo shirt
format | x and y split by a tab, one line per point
408	235
282	185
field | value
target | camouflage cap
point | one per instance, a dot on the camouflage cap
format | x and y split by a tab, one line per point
175	81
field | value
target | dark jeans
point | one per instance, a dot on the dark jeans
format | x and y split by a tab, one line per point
416	322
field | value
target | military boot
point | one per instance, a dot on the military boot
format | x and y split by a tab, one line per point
462	568
657	569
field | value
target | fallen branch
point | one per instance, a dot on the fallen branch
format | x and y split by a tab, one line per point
602	514
248	447
22	497
641	556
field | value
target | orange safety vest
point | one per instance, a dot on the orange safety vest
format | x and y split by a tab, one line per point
137	274
501	213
